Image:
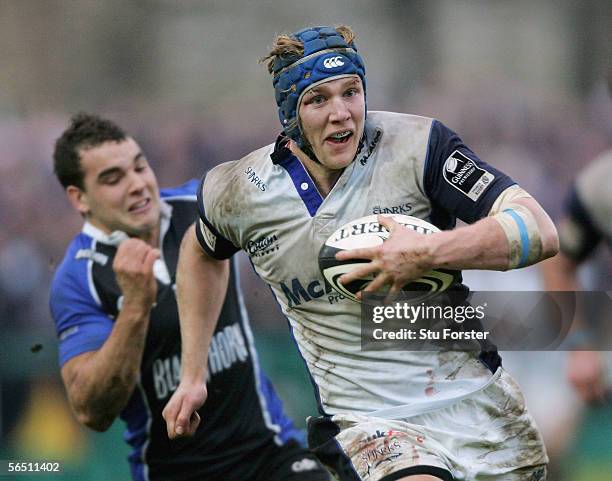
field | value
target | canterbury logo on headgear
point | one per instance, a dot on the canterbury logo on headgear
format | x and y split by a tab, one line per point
333	62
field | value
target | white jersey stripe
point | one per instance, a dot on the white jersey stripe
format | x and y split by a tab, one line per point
275	428
92	287
145	446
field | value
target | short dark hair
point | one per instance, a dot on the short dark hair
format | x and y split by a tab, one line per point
85	131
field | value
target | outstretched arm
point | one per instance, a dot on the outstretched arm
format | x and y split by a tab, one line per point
201	287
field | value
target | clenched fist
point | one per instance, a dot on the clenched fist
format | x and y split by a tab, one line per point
133	267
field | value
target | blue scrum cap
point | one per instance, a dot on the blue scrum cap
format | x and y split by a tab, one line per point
326	57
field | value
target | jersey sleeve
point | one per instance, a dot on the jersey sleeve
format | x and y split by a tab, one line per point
578	234
80	323
456	180
208	231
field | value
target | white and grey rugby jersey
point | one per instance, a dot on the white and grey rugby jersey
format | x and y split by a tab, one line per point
267	205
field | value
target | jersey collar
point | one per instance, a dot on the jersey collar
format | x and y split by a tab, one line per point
281	150
304	185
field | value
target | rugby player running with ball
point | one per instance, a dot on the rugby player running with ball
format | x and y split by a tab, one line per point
385	415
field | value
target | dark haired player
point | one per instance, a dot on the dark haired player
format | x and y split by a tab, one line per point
113	302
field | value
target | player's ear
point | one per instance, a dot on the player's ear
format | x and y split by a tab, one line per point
78	198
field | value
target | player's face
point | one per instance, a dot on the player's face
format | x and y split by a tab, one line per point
332	117
121	191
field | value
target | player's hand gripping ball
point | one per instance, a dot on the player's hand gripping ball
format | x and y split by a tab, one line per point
367	232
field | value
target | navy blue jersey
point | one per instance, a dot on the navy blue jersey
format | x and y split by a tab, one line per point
242	414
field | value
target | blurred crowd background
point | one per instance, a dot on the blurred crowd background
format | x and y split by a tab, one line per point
523	83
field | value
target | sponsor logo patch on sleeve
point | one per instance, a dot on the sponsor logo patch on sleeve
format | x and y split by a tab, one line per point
464	175
209	237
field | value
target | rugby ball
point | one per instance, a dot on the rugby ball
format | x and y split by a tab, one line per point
367	232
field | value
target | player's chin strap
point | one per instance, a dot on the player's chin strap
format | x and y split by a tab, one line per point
520	227
307	149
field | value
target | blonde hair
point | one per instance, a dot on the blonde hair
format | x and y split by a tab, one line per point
286	46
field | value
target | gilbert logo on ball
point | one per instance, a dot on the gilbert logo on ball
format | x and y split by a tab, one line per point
367	232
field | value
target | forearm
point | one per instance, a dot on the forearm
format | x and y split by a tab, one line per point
201	288
100	383
517	233
482	245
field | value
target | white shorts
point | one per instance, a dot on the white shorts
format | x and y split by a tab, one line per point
487	435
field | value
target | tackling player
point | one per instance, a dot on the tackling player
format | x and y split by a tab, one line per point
113	302
385	415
